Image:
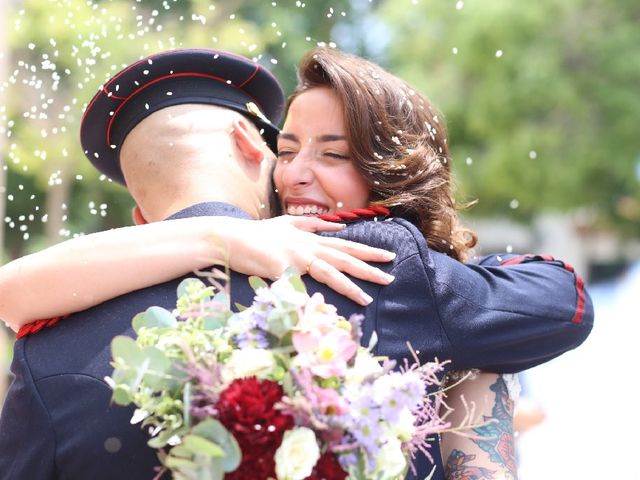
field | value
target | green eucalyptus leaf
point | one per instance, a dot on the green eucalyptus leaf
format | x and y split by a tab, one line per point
155	368
176	376
181	451
215	431
163	437
202	446
280	322
126	350
189	286
216	321
287	338
125	375
257	282
122	395
178	462
222	298
277	326
158	317
209	468
297	283
138	322
239	307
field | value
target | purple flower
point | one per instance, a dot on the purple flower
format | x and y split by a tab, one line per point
252	338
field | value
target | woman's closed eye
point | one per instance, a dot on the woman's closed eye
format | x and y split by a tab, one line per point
286	154
336	156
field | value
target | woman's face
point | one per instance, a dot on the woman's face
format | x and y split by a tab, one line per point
314	173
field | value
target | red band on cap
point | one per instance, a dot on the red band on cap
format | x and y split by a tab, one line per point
174	75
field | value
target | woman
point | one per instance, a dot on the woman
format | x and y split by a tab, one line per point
354	135
398	157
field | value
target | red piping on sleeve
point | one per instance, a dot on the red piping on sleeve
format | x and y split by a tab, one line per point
579	283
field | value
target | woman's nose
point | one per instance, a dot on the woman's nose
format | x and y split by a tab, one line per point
298	171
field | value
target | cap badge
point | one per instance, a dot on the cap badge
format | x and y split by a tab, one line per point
254	110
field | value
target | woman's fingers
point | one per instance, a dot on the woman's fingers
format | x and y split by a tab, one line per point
323	272
311	224
348	264
357	250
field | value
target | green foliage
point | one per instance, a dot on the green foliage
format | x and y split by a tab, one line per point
540	99
548	124
156	380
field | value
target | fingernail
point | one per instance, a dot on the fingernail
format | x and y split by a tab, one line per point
390	255
366	298
389	278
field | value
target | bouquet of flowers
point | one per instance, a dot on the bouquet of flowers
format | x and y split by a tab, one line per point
280	390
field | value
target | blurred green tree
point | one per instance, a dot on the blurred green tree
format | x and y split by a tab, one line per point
61	51
541	99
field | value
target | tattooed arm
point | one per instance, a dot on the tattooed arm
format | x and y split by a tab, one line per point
490	454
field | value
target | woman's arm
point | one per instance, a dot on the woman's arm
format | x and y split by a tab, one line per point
88	270
490	452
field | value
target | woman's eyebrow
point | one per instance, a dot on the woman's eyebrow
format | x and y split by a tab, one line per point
331	138
288	136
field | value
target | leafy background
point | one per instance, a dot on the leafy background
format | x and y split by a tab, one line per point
541	98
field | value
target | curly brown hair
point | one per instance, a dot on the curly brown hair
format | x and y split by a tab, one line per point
397	140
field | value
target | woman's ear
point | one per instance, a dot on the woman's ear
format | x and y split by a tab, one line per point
138	217
249	143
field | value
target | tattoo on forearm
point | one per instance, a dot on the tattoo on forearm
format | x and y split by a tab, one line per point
497	437
457	468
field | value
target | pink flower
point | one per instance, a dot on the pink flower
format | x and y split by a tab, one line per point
324	353
323	340
329	401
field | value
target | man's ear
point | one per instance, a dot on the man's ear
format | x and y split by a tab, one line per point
248	141
138	217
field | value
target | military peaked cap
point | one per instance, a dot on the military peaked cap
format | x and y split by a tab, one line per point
173	78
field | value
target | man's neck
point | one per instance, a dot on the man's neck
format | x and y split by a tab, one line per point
213	193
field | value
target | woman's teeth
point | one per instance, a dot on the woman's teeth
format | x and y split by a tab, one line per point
306	210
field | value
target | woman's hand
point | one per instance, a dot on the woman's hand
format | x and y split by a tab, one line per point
266	248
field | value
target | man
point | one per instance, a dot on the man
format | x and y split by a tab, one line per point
182	129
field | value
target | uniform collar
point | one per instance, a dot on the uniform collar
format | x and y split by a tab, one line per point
210	209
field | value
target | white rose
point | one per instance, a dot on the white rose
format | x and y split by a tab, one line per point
390	461
248	362
365	365
297	454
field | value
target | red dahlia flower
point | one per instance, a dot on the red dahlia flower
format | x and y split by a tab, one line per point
246	409
327	468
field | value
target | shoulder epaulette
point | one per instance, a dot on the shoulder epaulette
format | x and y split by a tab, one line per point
37	325
356	214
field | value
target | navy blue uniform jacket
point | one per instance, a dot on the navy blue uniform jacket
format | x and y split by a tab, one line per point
58	420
